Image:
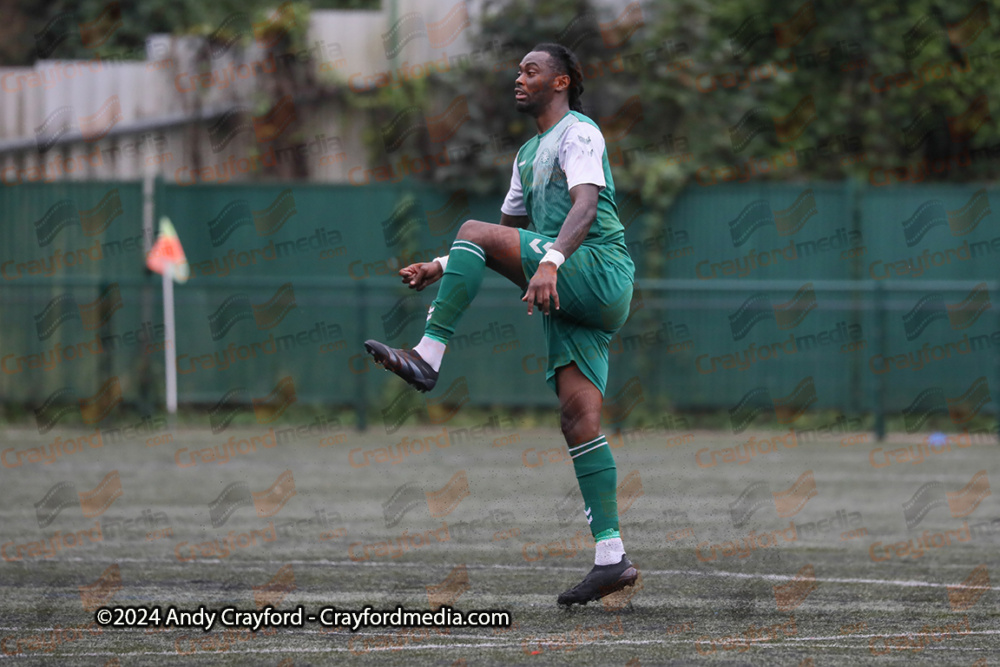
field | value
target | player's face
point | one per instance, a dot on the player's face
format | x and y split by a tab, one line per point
537	83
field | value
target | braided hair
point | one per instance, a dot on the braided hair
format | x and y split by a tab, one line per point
566	62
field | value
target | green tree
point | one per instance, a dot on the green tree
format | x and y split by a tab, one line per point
854	90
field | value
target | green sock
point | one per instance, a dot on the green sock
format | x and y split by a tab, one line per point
598	479
459	286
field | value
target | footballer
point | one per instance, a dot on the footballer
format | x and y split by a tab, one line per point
560	241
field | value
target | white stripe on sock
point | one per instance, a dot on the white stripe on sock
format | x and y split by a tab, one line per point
584	444
468	244
460	247
600	444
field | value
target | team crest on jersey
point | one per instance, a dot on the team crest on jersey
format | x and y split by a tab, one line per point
546	159
547	169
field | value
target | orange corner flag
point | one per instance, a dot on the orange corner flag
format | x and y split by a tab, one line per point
167	255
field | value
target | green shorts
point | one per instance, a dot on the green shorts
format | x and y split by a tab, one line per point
595	290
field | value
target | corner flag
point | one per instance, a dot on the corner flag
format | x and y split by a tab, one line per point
167	256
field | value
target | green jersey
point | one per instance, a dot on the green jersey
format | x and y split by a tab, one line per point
595	282
569	153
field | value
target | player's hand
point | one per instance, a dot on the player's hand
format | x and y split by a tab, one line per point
420	275
542	288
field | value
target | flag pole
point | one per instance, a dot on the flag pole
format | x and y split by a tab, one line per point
169	350
166	257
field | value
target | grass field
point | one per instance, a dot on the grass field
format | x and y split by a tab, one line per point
516	537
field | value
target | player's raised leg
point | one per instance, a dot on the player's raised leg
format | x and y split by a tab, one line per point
478	245
580	405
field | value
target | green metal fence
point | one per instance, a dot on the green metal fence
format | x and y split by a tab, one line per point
778	297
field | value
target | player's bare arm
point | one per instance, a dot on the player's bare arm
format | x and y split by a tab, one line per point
542	287
579	220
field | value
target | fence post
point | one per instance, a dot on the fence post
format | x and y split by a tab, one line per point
996	366
854	192
143	362
104	363
361	397
880	336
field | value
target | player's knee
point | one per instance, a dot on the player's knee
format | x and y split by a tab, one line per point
580	426
472	230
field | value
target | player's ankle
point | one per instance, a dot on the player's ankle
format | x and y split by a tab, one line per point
609	551
431	351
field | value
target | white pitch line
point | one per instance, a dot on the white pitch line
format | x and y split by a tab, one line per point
897	635
787	577
538	568
375	633
421	647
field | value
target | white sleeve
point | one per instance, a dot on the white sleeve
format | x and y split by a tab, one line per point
513	203
582	155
